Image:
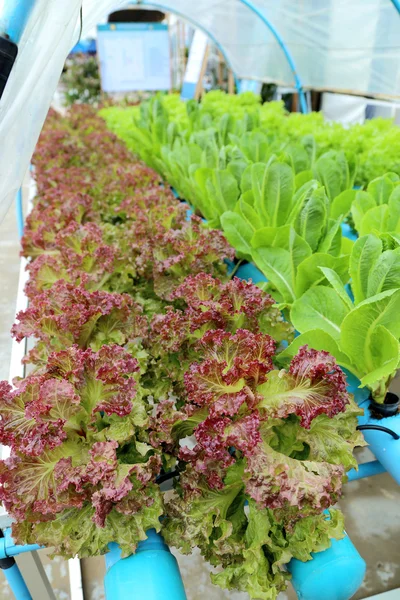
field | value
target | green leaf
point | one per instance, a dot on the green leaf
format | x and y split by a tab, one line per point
332	170
393	223
360	330
302	195
184	428
264	237
208	210
319	308
223	190
277	237
247	212
280	260
390	241
333	440
386	355
72	532
297	157
246	183
336	281
319	340
248	198
314	534
237	167
346	247
273	188
225	126
275	264
362	203
331	242
309	273
366	252
385	274
259	573
341	205
238	233
255	146
312	219
302	178
375	219
380	189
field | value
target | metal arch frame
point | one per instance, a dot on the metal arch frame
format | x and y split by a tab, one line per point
194	23
269	25
396	4
14	18
253	8
285	49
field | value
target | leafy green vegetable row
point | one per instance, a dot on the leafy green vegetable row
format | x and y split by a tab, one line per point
282	208
149	358
207	158
375	144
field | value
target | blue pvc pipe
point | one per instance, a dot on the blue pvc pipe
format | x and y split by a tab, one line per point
14	18
348	232
383	445
286	51
367	469
17	583
333	574
20	213
250	271
396	4
152	573
8	548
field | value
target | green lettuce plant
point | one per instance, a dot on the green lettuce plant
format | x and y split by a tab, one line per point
360	326
133	357
378	208
375	143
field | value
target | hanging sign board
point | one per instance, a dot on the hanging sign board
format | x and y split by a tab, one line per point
196	66
134	56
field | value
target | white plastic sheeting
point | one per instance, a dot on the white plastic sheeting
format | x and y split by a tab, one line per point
29	90
52	30
343	45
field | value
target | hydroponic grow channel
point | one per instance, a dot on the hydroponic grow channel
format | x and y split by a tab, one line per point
32	29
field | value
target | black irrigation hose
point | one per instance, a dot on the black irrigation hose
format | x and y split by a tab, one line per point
394	435
166	476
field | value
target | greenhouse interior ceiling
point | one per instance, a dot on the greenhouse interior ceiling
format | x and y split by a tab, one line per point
304	44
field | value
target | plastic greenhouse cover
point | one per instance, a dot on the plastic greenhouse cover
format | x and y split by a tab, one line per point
52	31
342	45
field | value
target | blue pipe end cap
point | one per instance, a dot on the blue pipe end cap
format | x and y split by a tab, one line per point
154	541
151	573
249	271
334	574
